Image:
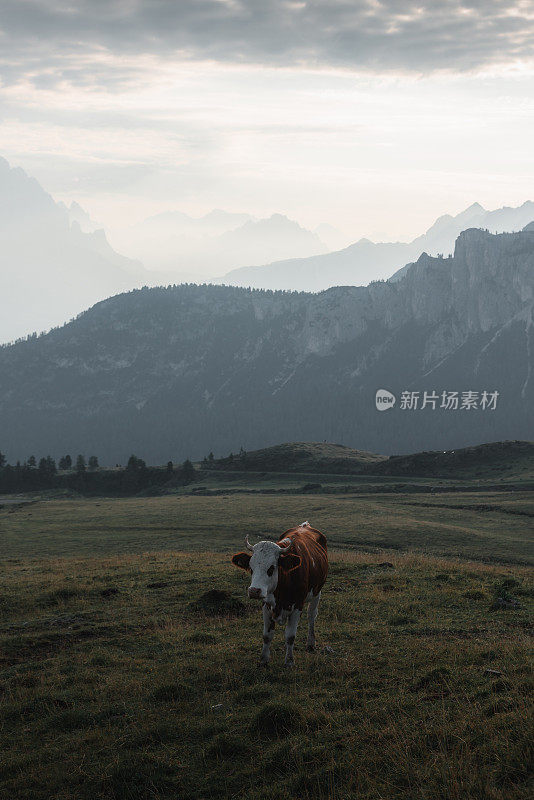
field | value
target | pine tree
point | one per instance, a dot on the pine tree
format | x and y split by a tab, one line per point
188	471
32	462
46	469
51	465
135	464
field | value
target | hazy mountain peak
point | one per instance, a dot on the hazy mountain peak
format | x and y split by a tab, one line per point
51	268
474	207
364	261
444	219
199	248
25	205
473	213
275	222
79	215
257	241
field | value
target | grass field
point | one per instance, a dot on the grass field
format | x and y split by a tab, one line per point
486	526
119	679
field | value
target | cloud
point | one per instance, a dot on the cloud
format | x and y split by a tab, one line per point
49	36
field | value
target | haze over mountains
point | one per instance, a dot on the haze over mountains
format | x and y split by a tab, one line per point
52	265
366	261
176	372
56	261
204	247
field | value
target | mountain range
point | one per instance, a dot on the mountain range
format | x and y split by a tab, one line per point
200	248
55	261
179	371
365	261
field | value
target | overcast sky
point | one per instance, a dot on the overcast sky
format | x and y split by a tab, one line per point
373	116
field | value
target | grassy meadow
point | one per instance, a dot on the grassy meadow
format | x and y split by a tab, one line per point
485	526
128	651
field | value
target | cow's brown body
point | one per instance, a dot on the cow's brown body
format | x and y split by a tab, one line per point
285	575
294	587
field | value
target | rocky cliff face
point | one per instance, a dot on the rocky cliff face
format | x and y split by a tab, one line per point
176	372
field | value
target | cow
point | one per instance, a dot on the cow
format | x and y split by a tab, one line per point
285	575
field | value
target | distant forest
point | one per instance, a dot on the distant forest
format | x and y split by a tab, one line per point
86	477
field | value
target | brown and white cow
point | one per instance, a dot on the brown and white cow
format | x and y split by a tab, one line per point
285	575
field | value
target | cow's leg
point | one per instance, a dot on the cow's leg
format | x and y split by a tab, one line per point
268	633
313	609
291	632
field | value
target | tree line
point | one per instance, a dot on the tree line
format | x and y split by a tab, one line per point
87	477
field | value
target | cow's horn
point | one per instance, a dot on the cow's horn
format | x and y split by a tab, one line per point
249	546
285	549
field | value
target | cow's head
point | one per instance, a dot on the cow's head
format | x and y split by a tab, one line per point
264	561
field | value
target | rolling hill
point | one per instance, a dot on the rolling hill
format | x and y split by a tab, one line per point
491	461
301	457
498	460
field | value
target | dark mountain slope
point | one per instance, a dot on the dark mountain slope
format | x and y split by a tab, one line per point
170	373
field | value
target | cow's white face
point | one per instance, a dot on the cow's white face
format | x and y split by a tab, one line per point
264	567
265	562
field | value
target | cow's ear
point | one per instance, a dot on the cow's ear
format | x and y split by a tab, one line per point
241	560
289	562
